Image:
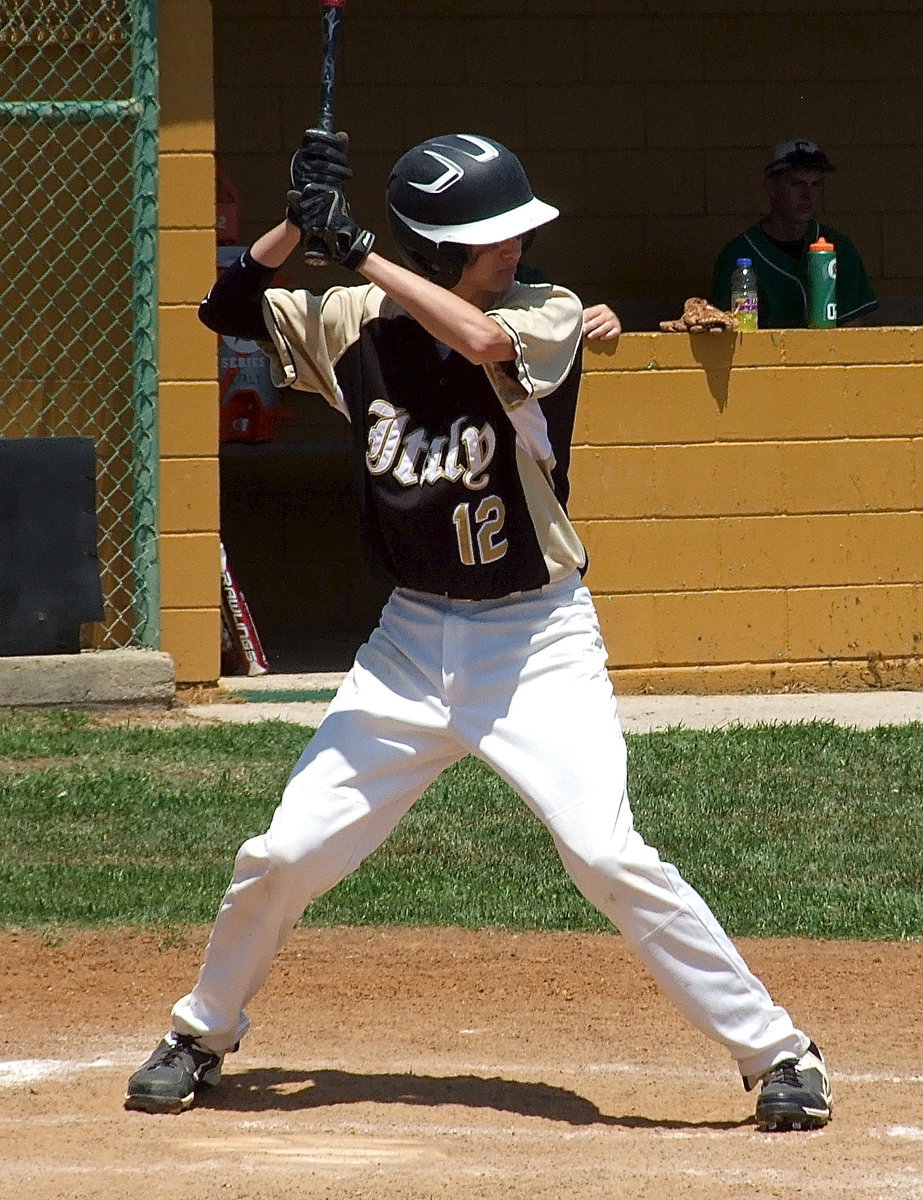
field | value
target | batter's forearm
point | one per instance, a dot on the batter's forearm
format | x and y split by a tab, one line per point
449	318
274	247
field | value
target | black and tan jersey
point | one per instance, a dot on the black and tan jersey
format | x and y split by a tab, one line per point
462	469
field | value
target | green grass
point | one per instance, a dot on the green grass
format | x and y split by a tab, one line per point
808	830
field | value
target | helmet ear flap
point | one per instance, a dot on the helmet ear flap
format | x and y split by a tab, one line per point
453	258
440	262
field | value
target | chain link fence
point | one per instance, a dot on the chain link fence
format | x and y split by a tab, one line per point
78	189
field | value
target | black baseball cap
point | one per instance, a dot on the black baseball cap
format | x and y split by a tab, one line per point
798	152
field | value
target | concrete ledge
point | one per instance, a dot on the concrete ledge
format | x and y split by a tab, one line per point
92	677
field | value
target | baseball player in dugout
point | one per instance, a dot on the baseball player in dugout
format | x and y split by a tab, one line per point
778	245
460	386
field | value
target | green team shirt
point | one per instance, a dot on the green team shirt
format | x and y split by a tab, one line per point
782	281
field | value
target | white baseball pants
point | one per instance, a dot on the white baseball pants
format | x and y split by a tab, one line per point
522	684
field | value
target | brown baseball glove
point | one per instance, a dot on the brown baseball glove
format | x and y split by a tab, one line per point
700	317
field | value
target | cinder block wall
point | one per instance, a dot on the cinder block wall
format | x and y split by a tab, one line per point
753	509
188	398
645	121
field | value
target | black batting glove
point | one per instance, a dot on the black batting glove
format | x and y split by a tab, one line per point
321	158
322	215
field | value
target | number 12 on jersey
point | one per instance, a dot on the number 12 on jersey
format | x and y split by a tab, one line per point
479	534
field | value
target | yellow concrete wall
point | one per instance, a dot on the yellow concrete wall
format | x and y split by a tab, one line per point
753	508
188	399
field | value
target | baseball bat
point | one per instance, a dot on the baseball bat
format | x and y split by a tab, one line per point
331	29
237	626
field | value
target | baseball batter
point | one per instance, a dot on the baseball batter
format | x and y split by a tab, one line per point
460	386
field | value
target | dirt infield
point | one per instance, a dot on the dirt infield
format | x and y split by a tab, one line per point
424	1064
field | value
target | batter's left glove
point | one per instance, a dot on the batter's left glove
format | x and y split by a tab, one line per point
321	158
322	215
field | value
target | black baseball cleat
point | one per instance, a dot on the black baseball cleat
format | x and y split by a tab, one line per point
795	1094
169	1080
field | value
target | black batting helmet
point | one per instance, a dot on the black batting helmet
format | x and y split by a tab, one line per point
456	191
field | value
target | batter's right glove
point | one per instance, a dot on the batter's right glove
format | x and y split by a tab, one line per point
322	215
321	158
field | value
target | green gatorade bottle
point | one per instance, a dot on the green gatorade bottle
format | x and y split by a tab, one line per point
822	284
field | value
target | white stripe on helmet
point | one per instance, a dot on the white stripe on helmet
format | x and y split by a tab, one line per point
453	172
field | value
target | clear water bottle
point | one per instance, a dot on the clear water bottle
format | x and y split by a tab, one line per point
744	301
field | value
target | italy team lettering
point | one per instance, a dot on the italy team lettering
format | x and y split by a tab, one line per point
413	458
